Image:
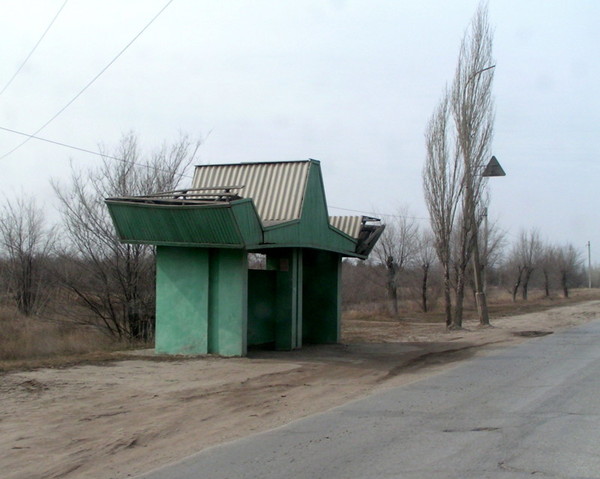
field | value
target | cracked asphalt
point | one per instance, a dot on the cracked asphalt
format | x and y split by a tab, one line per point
530	410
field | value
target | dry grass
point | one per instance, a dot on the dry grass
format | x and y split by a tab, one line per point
500	304
36	338
31	343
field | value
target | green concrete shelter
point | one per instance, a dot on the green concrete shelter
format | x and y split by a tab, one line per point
207	298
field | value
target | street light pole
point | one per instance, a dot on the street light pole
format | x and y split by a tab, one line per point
589	251
486	235
493	168
480	299
470	203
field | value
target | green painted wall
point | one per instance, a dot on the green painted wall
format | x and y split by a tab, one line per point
201	301
288	323
321	297
208	302
262	312
182	300
228	302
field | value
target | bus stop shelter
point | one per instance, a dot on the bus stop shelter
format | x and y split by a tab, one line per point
207	299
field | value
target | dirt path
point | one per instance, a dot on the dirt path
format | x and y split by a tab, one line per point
120	419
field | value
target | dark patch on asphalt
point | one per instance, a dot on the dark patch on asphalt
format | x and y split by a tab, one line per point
436	358
532	334
475	429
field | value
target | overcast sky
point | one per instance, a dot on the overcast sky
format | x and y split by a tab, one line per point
350	83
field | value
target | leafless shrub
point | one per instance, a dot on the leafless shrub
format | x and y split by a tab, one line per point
26	246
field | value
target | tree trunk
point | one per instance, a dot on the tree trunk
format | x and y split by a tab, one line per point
392	289
524	289
424	288
447	295
516	286
546	283
563	281
394	297
460	296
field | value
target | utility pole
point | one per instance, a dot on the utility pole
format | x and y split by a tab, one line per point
486	234
589	265
493	168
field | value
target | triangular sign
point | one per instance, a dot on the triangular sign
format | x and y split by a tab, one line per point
493	168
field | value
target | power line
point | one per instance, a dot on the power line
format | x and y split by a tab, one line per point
145	165
85	150
370	213
90	82
34	48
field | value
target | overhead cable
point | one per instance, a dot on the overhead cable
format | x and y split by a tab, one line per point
145	165
89	83
85	150
370	213
34	48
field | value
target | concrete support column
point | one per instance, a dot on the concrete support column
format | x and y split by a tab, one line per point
228	302
201	301
182	300
288	322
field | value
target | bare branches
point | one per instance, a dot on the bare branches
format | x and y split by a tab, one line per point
119	278
27	244
454	187
568	262
396	250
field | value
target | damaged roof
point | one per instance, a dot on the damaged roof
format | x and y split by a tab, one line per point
255	206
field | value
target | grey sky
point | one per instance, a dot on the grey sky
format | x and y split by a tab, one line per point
350	83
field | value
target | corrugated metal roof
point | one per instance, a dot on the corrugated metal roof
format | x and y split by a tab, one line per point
348	224
277	189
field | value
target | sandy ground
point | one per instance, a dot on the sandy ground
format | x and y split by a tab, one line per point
120	419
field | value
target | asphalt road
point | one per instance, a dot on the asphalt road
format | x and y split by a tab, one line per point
525	411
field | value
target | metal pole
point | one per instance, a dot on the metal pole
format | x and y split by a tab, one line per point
485	249
589	248
482	309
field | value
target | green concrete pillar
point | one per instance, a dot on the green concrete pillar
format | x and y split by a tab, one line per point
181	300
322	297
288	303
228	302
201	301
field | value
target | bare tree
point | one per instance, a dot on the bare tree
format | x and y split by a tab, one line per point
442	176
473	114
547	266
494	242
568	263
363	282
517	268
530	246
116	281
525	257
426	259
27	243
396	249
456	156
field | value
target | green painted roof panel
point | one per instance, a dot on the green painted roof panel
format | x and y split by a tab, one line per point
213	225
